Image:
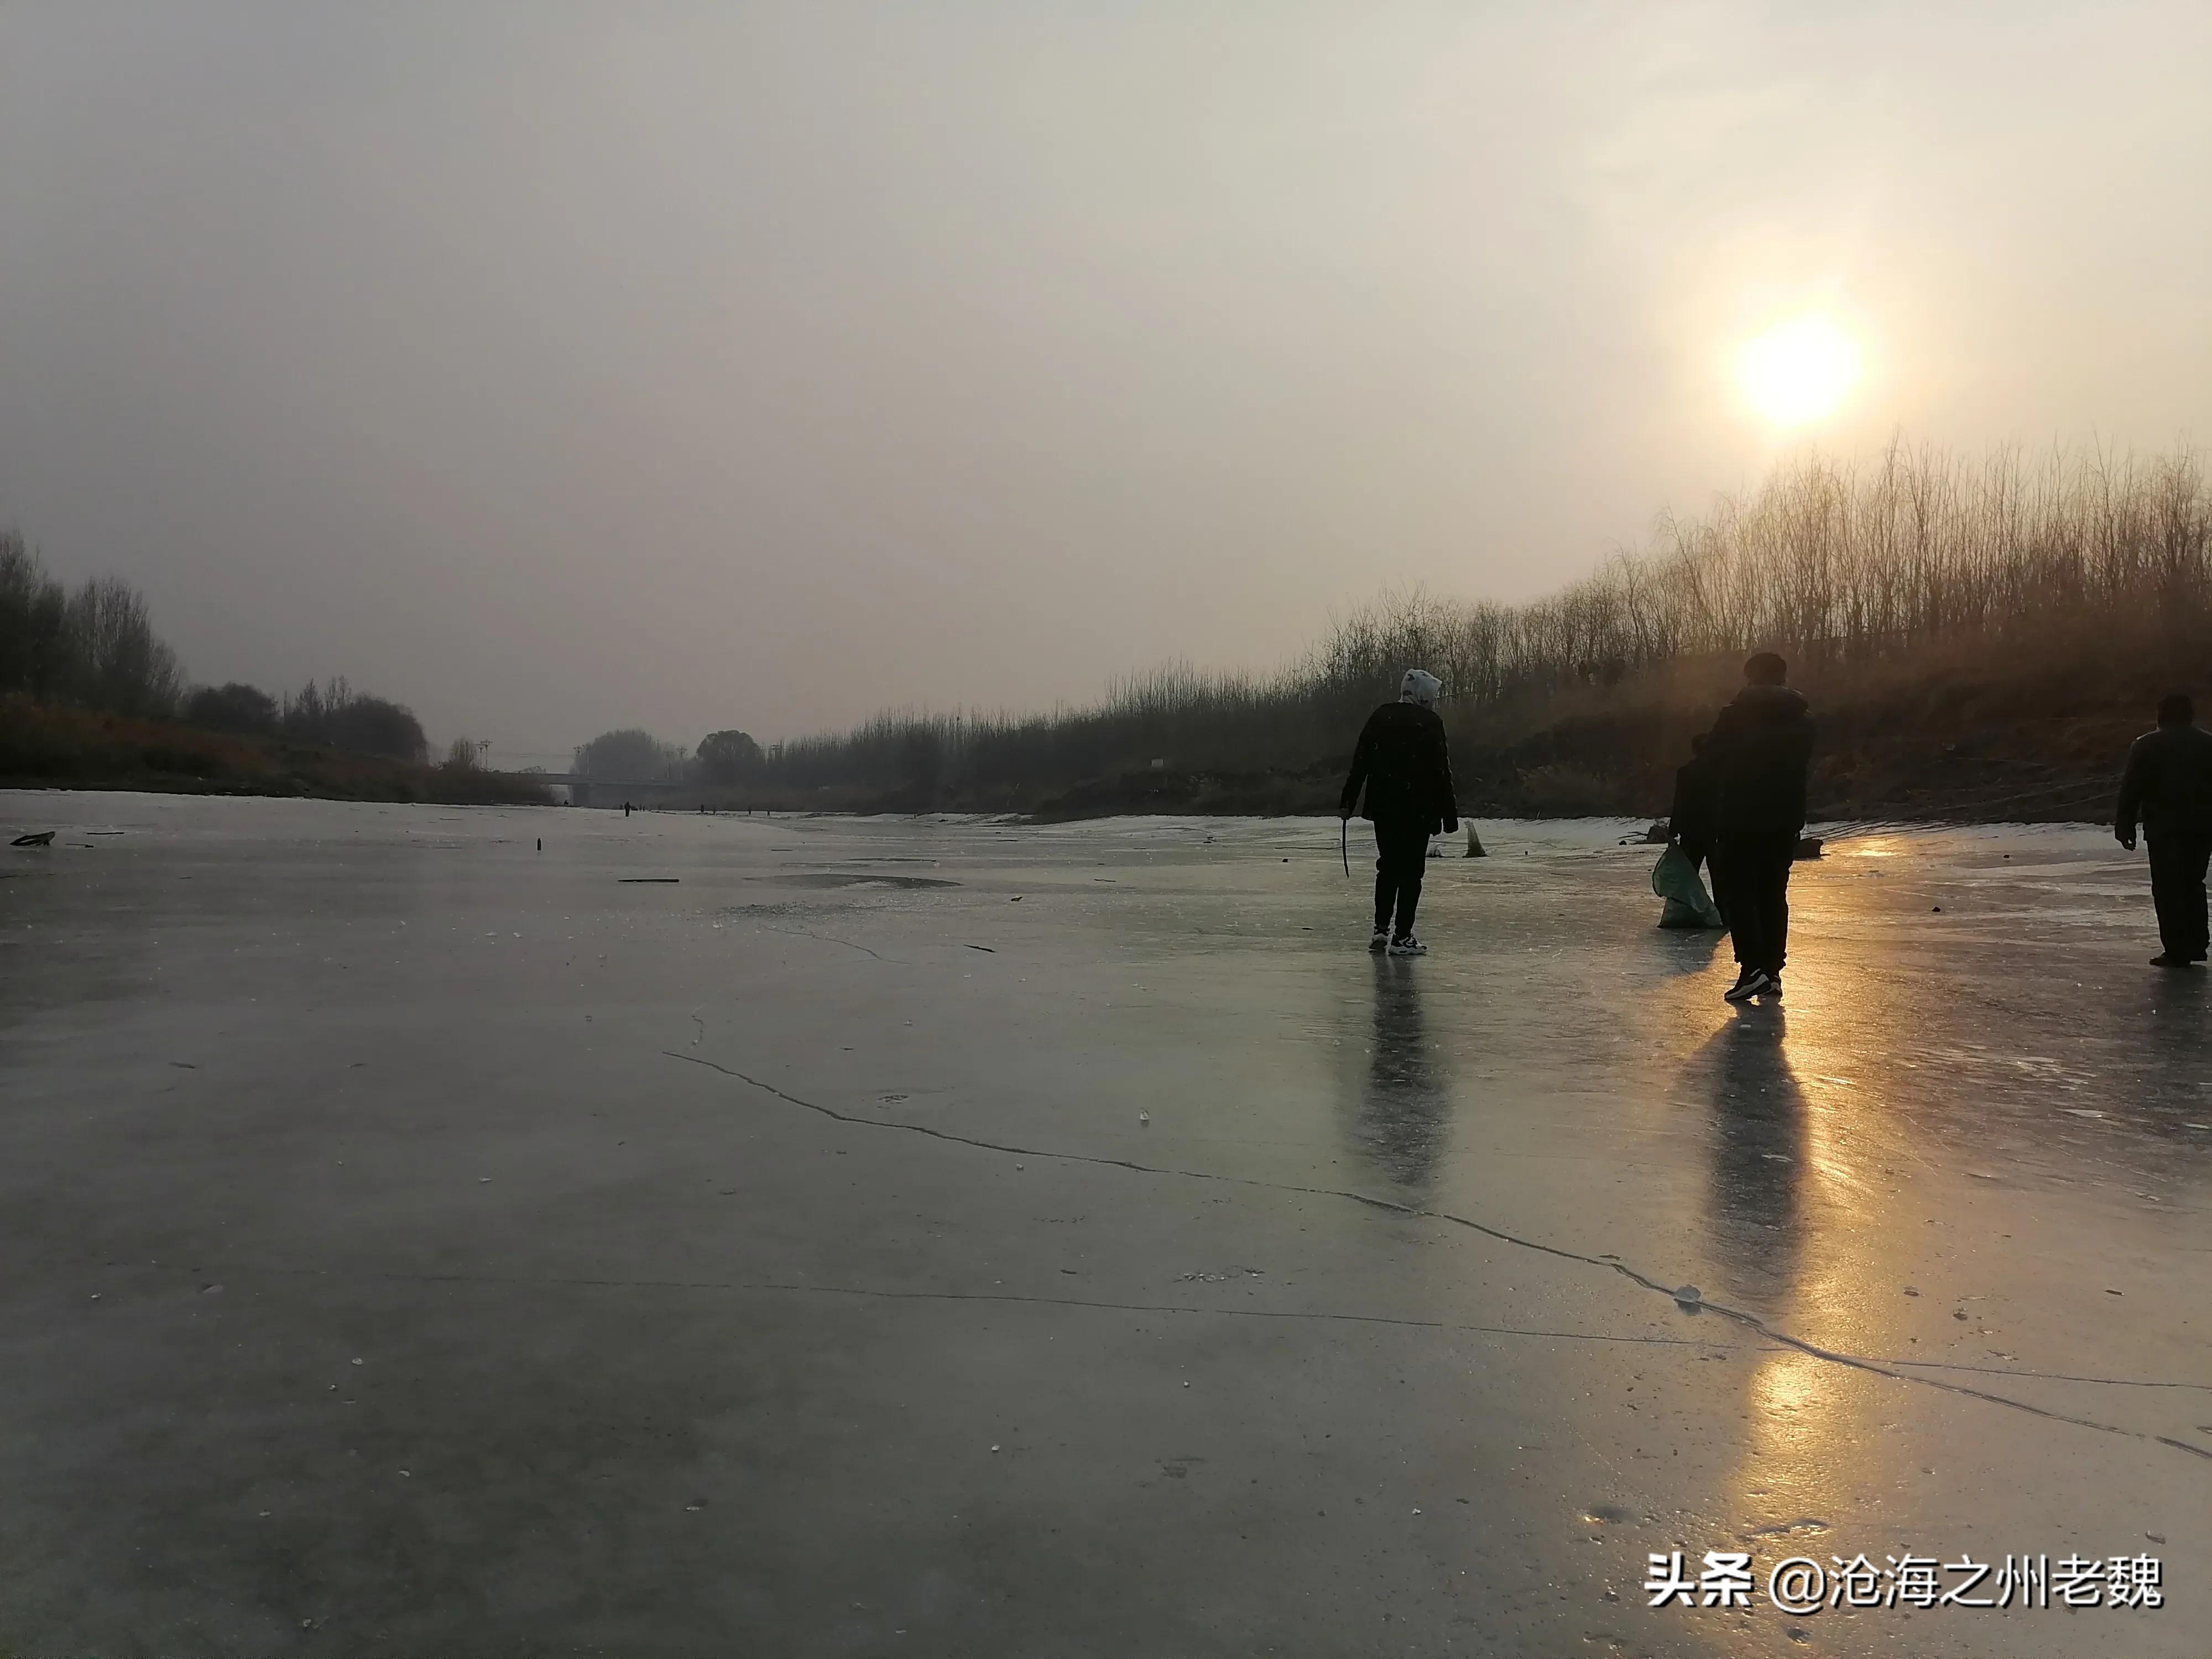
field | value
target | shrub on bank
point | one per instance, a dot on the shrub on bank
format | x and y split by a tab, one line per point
64	746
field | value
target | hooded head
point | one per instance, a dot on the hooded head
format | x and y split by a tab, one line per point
1419	686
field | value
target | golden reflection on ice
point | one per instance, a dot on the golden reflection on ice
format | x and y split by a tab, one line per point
1789	1397
1792	1223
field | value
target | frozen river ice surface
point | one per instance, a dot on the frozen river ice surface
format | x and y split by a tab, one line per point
711	1235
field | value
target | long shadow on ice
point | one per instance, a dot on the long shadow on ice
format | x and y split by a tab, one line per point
1754	1209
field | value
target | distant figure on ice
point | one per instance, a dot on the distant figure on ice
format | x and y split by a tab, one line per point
1759	750
1401	760
2168	787
1691	822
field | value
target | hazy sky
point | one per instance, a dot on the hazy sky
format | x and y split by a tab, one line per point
551	367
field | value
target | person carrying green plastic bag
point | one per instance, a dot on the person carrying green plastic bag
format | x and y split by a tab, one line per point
1690	836
1675	879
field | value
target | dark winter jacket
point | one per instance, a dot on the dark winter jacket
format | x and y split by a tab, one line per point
1696	810
2168	783
1760	749
1401	760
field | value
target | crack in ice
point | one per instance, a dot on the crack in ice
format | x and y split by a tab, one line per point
877	1293
1747	1320
826	938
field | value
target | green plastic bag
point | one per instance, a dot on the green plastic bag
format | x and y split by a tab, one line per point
1675	879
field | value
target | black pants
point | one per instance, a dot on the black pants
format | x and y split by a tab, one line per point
1403	852
2177	888
1751	873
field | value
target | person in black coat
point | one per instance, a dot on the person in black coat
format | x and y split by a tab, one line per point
2168	787
1760	749
1401	762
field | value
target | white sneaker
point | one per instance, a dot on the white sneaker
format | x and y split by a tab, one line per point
1408	947
1378	939
1750	985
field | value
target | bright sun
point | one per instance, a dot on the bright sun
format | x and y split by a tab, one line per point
1798	371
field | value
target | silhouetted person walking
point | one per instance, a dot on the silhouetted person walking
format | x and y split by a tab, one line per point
1693	820
2168	787
1759	750
1401	760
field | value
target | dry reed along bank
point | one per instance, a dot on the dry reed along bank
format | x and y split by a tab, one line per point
1980	640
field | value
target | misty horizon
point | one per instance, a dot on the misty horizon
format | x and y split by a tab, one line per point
554	372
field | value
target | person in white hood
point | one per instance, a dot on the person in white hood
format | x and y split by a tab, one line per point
1402	764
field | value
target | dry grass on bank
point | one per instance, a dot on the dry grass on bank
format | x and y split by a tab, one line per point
2034	727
